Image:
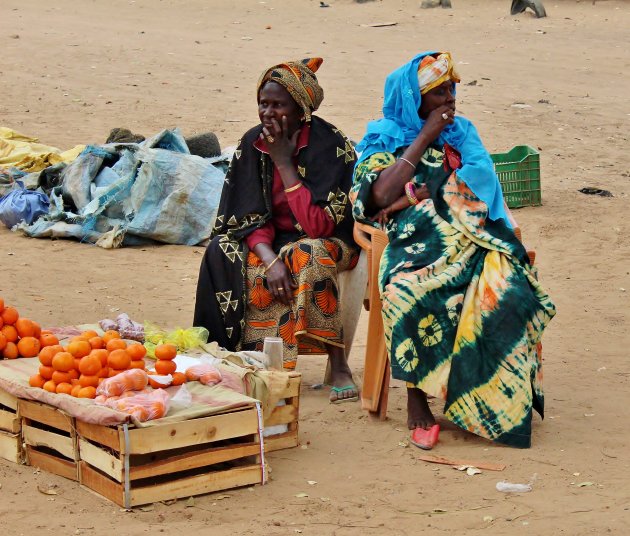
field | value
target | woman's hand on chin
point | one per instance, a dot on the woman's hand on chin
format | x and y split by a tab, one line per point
280	283
280	144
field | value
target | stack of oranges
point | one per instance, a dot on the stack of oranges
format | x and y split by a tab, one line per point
19	336
165	353
78	368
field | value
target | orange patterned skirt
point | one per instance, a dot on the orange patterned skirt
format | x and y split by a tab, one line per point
314	319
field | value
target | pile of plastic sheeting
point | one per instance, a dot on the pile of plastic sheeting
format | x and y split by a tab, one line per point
128	194
27	154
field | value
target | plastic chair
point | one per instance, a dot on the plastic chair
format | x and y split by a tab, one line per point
376	372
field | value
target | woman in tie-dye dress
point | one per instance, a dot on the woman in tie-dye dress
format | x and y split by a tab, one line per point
462	307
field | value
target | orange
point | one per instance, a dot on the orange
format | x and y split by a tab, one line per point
119	359
78	338
10	351
112	372
89	334
36	381
87	392
10	315
164	367
63	361
64	388
47	353
48	339
3	341
96	343
79	348
28	346
1	322
50	386
1	305
110	334
102	354
61	377
178	378
74	374
104	372
24	327
115	344
9	332
77	362
137	363
157	385
139	412
75	390
165	351
136	351
38	329
87	381
90	365
46	372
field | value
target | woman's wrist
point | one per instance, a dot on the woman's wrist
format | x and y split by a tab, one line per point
268	265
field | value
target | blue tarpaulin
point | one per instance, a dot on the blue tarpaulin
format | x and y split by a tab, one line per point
123	194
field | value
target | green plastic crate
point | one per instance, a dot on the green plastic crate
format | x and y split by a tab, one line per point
519	174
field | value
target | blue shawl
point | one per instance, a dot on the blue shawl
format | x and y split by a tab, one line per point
401	124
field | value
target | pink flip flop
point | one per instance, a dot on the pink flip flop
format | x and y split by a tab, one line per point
425	439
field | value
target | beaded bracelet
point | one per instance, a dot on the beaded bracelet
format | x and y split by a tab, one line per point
410	191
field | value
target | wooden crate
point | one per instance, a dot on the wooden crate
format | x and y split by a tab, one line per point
50	438
133	466
287	414
10	439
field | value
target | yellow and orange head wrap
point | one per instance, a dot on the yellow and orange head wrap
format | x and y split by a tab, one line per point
298	78
434	71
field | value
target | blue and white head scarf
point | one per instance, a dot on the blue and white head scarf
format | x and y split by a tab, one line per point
401	124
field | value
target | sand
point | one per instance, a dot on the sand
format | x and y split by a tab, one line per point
71	71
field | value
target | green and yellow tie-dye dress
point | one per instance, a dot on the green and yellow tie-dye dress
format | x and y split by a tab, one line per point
462	307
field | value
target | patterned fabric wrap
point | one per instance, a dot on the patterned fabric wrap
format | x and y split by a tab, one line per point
325	167
298	78
462	308
434	71
314	318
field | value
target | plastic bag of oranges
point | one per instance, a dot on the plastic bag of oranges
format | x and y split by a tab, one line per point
144	406
129	380
184	339
204	372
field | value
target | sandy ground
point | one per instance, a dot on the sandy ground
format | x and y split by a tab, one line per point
71	71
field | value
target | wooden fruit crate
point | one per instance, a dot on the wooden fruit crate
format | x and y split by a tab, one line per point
10	439
287	414
50	438
132	466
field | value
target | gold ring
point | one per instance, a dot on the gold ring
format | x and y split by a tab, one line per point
270	139
445	116
280	288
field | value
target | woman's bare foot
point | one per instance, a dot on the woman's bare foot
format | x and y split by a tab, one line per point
418	413
343	385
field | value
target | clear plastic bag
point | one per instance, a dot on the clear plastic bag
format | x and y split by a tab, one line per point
205	373
182	399
129	380
144	406
509	487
